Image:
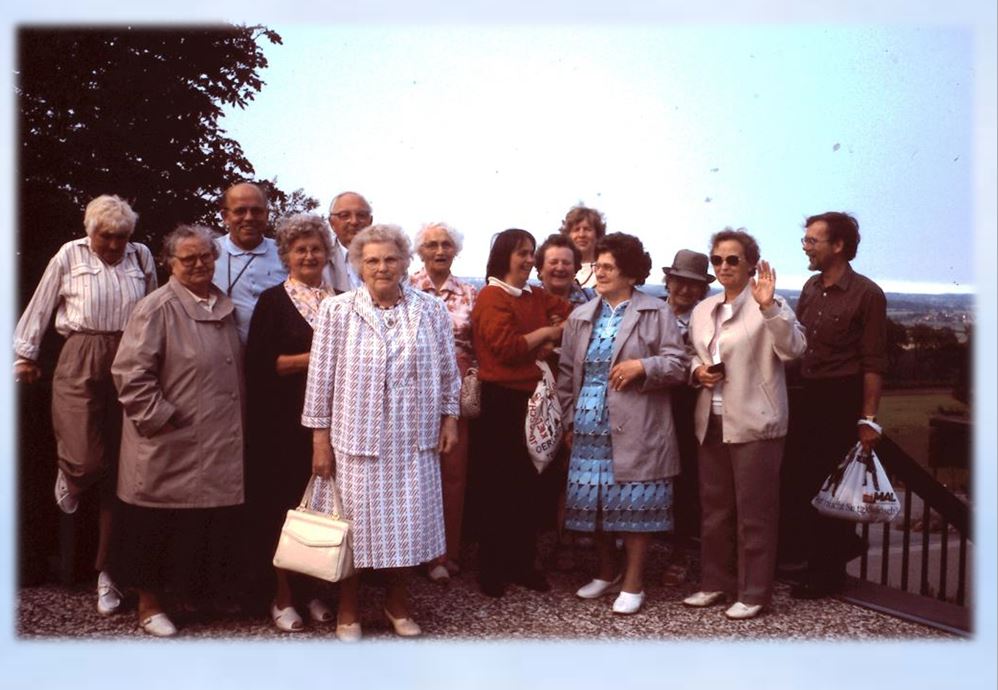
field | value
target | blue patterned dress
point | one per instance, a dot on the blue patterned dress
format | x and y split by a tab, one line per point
593	499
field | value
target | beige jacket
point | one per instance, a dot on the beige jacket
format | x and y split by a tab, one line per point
177	360
753	346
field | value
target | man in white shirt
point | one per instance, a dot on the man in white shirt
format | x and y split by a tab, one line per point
349	213
247	262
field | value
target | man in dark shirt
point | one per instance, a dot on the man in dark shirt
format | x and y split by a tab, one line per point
845	318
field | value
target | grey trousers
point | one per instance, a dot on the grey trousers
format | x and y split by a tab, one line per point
739	498
86	415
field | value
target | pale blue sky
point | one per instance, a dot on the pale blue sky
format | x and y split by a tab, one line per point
899	116
672	131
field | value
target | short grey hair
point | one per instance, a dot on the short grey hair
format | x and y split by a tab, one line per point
292	228
111	211
339	196
375	234
184	232
456	237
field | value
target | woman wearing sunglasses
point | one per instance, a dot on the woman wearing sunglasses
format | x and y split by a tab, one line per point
741	338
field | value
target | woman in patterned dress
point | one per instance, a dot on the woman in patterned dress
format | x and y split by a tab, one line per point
278	447
437	244
382	398
620	354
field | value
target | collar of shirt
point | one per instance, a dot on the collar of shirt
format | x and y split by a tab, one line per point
96	260
421	280
843	283
231	247
509	289
207	303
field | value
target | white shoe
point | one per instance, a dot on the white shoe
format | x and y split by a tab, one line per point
319	612
702	599
348	632
67	503
597	588
439	574
628	603
739	611
286	619
108	595
404	627
159	625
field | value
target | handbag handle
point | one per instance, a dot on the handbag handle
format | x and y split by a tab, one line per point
306	499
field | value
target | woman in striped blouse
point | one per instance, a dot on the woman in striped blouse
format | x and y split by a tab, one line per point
92	284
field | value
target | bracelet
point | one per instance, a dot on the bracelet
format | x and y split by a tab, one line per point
872	424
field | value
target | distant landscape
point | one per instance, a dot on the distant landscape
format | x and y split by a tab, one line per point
953	311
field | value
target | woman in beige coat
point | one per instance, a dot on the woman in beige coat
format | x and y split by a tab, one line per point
178	372
741	338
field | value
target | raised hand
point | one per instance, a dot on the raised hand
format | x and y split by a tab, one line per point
764	284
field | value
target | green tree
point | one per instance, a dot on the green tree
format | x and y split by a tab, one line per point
128	111
283	204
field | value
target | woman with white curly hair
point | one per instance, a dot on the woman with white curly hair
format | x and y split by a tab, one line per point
382	400
92	284
437	244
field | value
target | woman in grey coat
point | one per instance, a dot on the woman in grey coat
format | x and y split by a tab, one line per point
620	354
178	372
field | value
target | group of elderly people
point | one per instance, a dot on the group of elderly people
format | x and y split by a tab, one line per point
362	384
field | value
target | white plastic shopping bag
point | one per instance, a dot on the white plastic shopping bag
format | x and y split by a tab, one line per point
858	490
543	423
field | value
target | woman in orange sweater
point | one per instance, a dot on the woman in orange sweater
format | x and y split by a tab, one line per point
513	326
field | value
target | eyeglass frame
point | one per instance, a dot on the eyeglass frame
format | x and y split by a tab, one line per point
191	260
811	241
731	259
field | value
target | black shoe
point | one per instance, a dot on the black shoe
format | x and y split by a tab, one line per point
491	587
533	579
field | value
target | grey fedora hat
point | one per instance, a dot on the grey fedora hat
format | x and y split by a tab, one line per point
689	264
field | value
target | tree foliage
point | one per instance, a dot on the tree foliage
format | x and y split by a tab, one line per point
128	111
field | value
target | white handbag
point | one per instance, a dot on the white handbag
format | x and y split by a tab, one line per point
858	490
543	423
316	543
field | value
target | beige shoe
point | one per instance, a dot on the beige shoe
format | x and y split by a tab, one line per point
159	625
739	611
286	619
319	612
348	632
404	627
702	599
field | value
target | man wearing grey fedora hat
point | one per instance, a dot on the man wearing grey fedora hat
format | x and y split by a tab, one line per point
687	282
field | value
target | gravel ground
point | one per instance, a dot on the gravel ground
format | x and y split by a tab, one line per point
458	611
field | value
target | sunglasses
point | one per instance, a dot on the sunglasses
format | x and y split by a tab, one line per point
731	260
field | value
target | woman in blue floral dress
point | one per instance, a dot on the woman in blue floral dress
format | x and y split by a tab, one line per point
621	353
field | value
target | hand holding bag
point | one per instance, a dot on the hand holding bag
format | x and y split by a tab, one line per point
471	394
858	490
315	542
543	423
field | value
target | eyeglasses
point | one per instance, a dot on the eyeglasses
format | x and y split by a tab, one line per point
253	211
362	216
730	259
191	260
605	268
810	241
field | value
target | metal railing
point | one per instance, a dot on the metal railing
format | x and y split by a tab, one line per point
919	581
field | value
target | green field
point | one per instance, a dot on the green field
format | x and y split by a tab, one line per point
905	418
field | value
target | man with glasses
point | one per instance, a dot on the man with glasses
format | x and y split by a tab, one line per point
845	319
248	262
349	213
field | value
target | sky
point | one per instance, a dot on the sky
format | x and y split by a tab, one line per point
488	115
672	131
